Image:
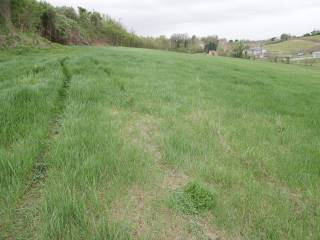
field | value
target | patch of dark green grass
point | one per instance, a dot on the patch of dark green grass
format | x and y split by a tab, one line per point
194	198
248	82
37	69
107	70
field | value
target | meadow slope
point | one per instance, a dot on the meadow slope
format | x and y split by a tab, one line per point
305	45
120	143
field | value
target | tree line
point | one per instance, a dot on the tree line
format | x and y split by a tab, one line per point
66	25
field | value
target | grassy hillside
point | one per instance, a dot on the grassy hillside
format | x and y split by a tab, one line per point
28	22
313	38
24	40
120	143
293	46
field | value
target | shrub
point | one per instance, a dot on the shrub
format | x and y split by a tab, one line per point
69	12
285	37
66	30
239	49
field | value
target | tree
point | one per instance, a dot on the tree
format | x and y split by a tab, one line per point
5	11
95	19
26	14
17	8
162	42
196	44
83	13
285	37
210	43
48	23
69	12
239	49
179	40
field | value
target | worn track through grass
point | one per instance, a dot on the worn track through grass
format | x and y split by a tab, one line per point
28	202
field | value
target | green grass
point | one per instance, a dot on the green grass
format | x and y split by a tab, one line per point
95	142
293	46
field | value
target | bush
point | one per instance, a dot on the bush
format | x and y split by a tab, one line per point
69	12
239	49
66	30
285	37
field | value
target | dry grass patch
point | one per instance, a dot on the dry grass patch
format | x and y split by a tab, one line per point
143	132
145	208
149	218
199	117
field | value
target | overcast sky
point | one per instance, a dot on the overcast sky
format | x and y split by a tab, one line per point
243	19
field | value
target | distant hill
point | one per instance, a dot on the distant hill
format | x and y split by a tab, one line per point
313	38
304	45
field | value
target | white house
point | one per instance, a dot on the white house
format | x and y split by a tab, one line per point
257	52
316	54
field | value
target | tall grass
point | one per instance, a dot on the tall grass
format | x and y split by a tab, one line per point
136	124
28	95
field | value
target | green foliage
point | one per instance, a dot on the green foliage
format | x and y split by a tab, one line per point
65	25
194	198
210	43
66	30
183	43
2	22
4	30
26	14
239	49
285	37
69	12
48	24
5	12
179	40
95	19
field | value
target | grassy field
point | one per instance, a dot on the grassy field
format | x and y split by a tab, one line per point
313	38
305	45
120	143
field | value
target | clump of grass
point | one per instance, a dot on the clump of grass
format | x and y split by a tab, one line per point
193	198
37	69
107	70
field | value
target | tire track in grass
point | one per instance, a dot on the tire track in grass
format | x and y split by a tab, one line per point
26	207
